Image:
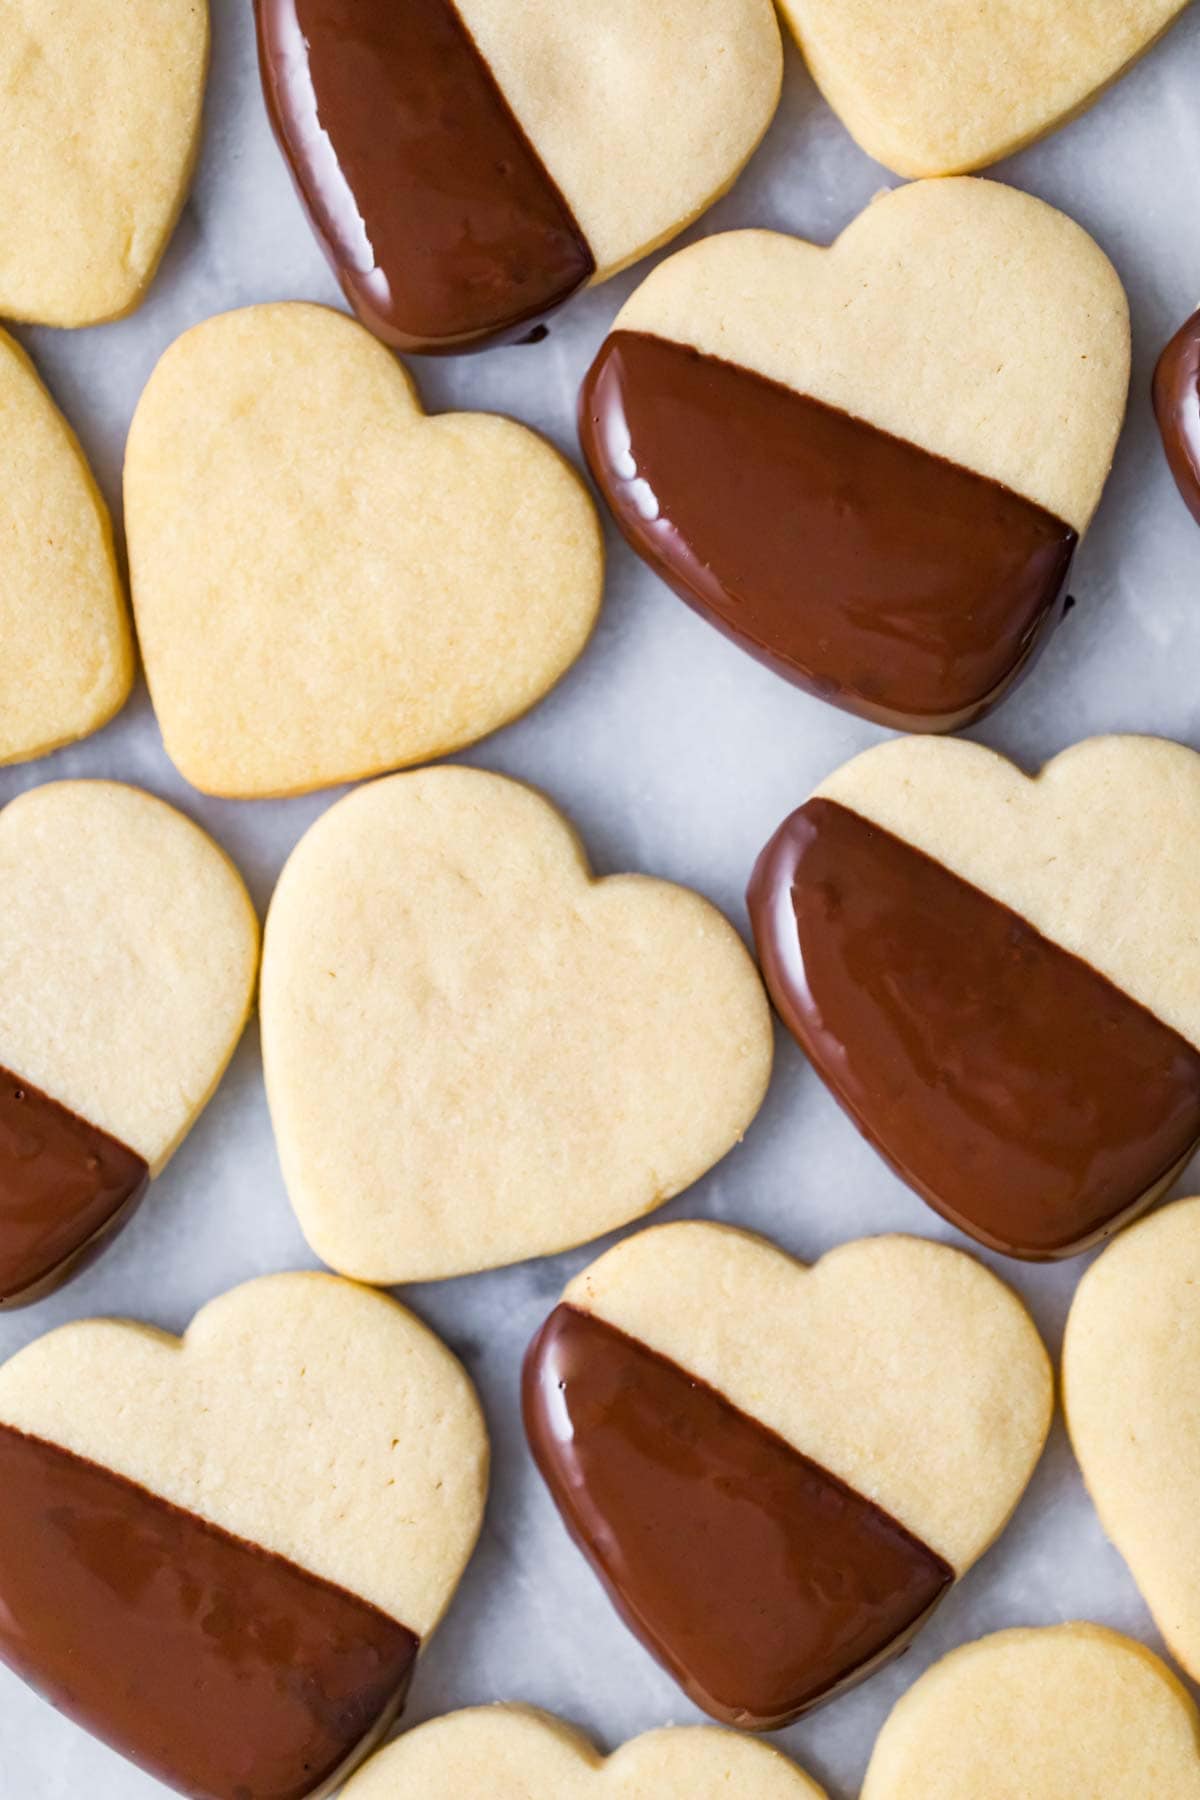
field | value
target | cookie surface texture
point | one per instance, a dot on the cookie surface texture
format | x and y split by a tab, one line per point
128	954
940	87
1072	1712
514	1753
773	1540
327	583
68	652
997	976
98	137
222	1554
469	166
1129	1392
474	1051
869	465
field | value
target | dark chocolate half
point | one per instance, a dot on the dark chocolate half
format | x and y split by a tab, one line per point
1025	1096
1177	409
759	1580
220	1668
439	218
875	575
65	1188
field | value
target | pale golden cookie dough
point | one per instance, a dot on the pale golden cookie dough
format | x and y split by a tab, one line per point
99	130
1100	852
939	87
327	583
643	115
1132	1398
67	660
963	316
925	1385
474	1051
314	1418
1073	1712
515	1753
128	954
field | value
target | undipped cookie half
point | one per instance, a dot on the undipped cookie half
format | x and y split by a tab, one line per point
98	135
870	465
327	582
128	952
514	1753
475	1051
67	663
777	1472
999	977
222	1555
469	164
1073	1712
1130	1356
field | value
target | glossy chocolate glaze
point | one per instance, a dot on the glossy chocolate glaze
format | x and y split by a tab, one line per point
760	1581
1177	408
441	223
65	1186
1026	1097
225	1671
876	576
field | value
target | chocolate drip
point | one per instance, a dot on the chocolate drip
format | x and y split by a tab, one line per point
879	577
441	222
1025	1096
222	1669
759	1580
1177	408
65	1187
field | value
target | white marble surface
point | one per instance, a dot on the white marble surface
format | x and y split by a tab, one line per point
677	755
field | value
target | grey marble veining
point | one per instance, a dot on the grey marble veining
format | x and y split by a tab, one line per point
677	755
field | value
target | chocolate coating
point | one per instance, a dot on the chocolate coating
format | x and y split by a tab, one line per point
223	1670
877	576
65	1187
1022	1094
1177	409
441	223
760	1581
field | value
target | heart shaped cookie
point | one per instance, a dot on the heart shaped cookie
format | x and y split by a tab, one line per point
223	1555
1177	409
939	87
515	1753
870	465
68	658
474	1051
468	164
1072	1712
128	951
777	1472
98	136
327	583
1129	1383
999	977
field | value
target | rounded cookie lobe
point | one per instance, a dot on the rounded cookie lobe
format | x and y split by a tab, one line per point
950	944
98	138
476	1052
233	1548
771	1536
1072	1712
1177	409
515	1753
780	432
68	652
401	586
1128	1390
128	955
947	86
447	153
